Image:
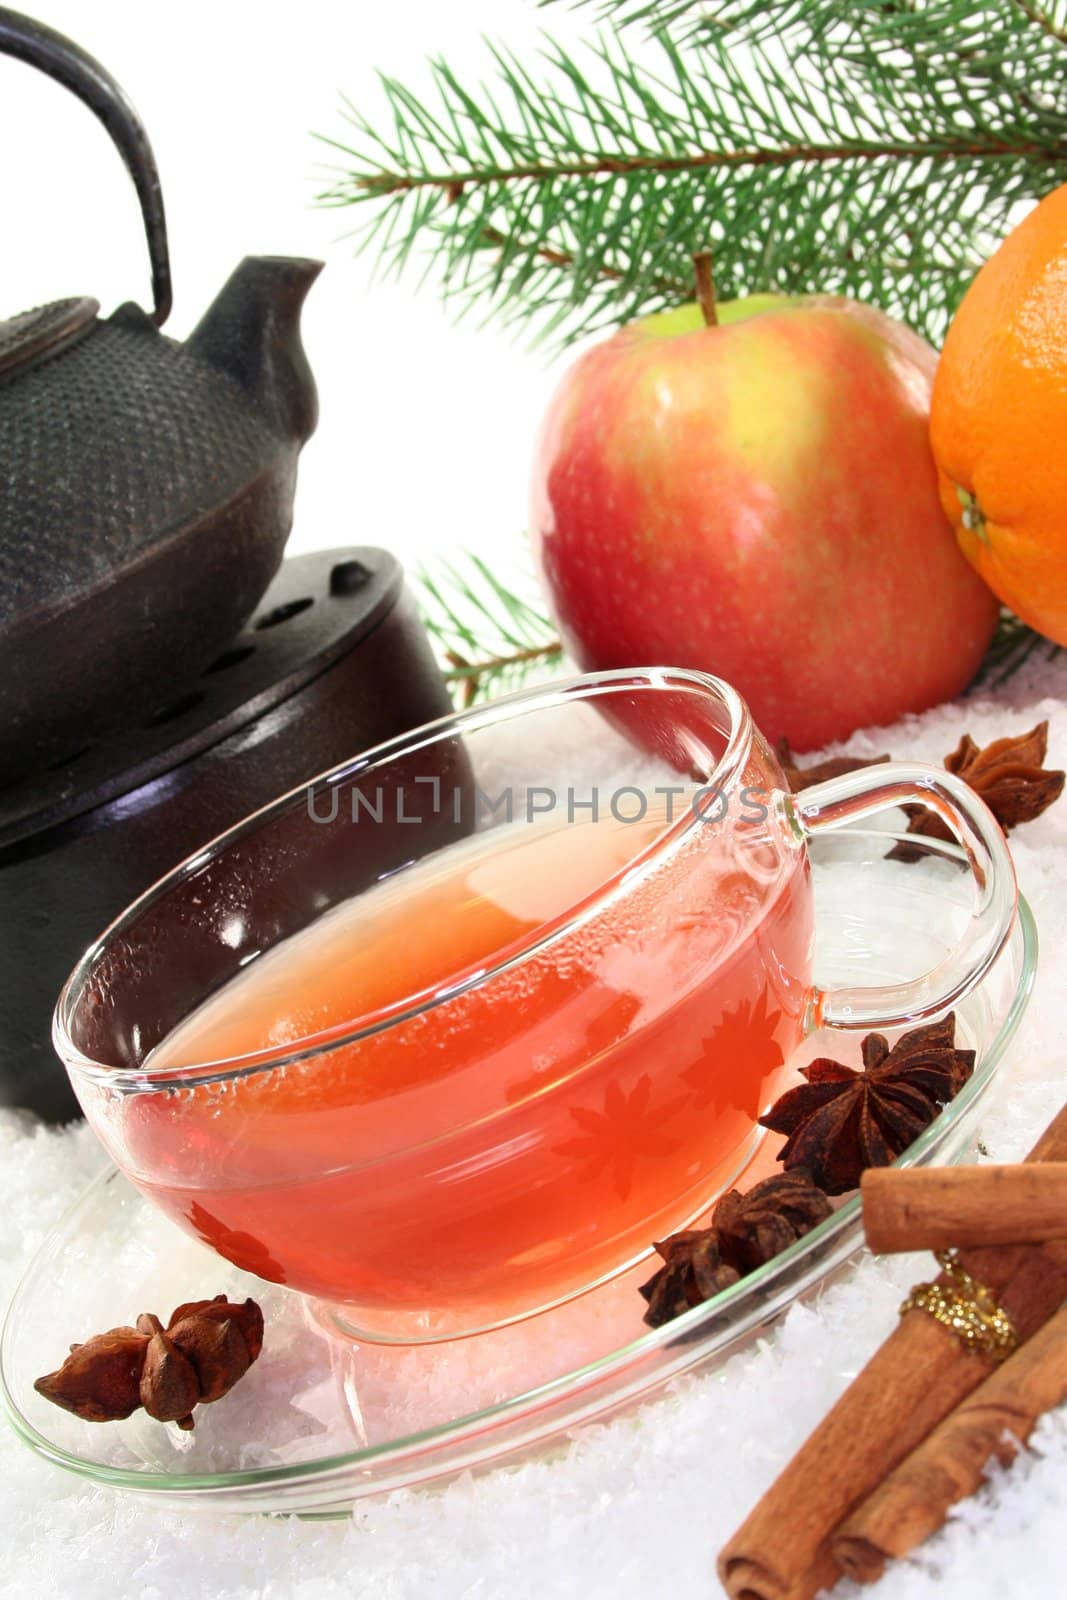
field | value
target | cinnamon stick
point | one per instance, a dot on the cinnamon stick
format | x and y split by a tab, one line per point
921	1373
936	1208
996	1420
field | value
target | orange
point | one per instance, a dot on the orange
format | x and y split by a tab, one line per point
999	420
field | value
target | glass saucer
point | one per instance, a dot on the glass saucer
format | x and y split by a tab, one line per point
321	1420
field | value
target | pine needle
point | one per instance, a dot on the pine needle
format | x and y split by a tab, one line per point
1013	645
846	146
490	638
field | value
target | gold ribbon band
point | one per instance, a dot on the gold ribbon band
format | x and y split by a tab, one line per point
967	1308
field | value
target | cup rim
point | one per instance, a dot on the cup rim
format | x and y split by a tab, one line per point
144	1079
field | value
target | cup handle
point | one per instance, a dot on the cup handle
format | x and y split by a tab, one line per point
859	794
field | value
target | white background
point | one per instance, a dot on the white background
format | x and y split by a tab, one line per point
426	431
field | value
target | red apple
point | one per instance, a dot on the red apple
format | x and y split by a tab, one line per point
758	499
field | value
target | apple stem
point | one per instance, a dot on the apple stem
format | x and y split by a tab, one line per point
706	287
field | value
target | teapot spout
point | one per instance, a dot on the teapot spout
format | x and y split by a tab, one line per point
252	332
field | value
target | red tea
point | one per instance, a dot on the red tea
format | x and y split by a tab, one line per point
509	1144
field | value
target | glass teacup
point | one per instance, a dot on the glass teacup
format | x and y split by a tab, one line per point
456	1031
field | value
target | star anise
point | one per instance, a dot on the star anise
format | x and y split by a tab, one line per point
841	1122
757	1226
1010	776
204	1349
694	1272
799	778
746	1231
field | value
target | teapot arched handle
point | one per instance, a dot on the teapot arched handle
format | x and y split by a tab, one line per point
60	58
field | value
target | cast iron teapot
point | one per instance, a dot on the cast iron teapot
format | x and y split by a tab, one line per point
146	487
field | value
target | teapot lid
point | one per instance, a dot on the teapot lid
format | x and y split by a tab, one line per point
44	331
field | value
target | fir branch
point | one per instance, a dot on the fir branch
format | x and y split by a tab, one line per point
490	637
381	185
1013	644
655	14
841	145
1043	20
